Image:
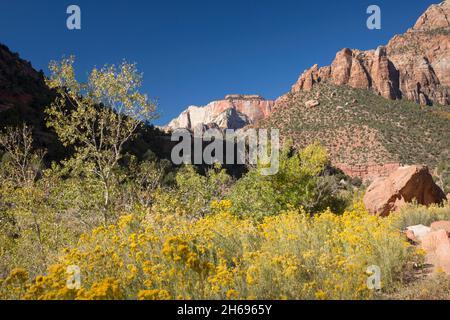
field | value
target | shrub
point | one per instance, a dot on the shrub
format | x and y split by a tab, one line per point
300	182
291	255
193	193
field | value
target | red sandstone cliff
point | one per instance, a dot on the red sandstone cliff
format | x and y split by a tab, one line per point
415	65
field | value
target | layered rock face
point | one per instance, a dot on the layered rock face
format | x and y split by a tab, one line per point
368	172
23	99
234	112
415	65
404	185
19	82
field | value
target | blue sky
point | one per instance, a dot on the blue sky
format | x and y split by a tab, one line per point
194	51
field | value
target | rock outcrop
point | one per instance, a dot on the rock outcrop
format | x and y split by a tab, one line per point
234	112
23	99
369	171
20	84
415	65
405	185
435	242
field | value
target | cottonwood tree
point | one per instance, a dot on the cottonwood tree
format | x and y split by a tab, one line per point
98	117
442	171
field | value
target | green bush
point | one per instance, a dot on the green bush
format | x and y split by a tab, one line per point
300	182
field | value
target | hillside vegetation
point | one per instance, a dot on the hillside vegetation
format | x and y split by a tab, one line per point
138	229
359	127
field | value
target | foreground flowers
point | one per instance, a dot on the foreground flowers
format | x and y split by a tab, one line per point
289	256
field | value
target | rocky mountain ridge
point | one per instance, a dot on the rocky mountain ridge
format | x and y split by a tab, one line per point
413	66
364	133
23	99
20	83
233	112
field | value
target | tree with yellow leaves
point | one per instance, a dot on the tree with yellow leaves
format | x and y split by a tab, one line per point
97	118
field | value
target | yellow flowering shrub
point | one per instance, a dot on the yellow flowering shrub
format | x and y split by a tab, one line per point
221	256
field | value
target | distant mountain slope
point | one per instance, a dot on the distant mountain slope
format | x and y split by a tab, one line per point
342	105
414	66
366	107
233	112
23	98
360	128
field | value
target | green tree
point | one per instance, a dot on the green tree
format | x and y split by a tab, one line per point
31	230
98	117
300	182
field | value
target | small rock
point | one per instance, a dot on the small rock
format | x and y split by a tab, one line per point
432	240
312	103
410	235
419	231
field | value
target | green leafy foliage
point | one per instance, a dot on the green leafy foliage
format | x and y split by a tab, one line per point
300	182
97	118
358	127
193	193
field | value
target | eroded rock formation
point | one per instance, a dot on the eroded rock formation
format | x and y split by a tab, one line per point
405	185
234	112
415	65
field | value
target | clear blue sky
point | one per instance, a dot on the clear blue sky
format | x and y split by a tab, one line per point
194	51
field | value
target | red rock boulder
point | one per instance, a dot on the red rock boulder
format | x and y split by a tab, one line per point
437	246
406	184
441	225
